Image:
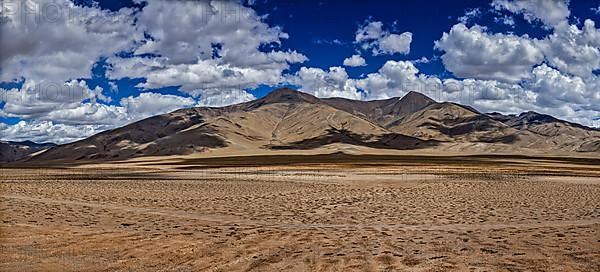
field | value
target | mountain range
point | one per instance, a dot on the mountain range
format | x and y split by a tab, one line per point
287	119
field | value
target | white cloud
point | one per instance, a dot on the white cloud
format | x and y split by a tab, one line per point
370	31
223	97
149	104
488	95
425	60
56	40
492	64
555	89
355	61
221	35
36	104
37	100
394	43
321	83
394	79
474	53
573	50
76	109
88	113
506	19
548	91
203	75
372	36
216	44
47	131
185	39
549	12
470	15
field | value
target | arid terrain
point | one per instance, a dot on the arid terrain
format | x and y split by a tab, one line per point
287	119
299	136
304	213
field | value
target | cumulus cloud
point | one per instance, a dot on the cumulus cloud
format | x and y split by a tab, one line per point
549	12
148	104
77	104
394	43
76	110
216	44
47	131
565	85
397	78
191	78
355	61
474	53
372	36
394	78
487	95
548	91
184	39
41	100
573	50
332	83
369	31
223	97
57	40
555	89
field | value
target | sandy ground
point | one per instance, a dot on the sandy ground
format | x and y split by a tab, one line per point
418	216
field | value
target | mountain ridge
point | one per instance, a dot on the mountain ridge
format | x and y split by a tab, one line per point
287	119
15	150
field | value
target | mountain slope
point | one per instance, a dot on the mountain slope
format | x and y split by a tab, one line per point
541	131
284	119
288	119
452	122
13	151
180	132
383	112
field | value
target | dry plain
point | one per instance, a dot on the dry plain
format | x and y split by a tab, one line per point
304	213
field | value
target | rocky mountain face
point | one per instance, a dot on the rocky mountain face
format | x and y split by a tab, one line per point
541	131
13	151
288	119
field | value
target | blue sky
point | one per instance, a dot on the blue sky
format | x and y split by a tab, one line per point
107	63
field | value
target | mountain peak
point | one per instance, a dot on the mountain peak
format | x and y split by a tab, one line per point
287	95
532	116
416	97
410	103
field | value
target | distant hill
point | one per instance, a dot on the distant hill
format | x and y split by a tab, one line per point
12	151
287	119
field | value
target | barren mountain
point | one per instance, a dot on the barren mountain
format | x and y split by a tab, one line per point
383	112
12	151
450	122
288	119
541	131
